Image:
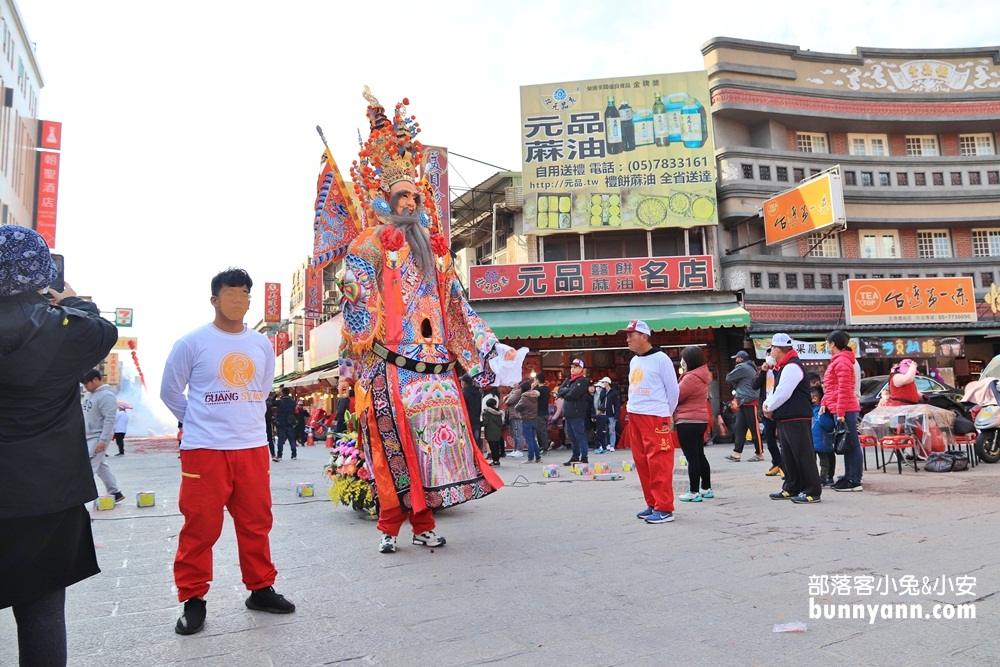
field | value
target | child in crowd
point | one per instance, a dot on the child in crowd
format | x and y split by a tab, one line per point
822	432
493	426
601	424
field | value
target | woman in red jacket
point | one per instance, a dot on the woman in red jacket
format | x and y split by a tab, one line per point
840	400
691	418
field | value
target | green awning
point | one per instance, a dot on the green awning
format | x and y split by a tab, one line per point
607	320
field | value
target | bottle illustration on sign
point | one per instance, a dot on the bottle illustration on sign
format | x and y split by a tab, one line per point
643	124
694	128
612	127
628	128
661	134
674	104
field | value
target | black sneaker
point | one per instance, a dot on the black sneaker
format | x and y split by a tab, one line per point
294	457
849	486
781	495
119	496
571	462
265	599
193	618
841	484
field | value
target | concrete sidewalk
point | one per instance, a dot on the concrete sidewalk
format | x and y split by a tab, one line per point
555	572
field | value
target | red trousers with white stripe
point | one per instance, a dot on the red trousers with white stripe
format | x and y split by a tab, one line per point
653	453
212	480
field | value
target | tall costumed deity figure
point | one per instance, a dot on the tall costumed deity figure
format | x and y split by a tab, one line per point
408	335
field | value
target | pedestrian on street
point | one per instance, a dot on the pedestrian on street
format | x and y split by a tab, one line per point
764	384
285	421
227	370
473	397
575	397
790	406
493	426
613	409
269	421
840	400
47	342
527	407
99	410
514	421
652	398
741	378
691	419
121	428
542	422
301	417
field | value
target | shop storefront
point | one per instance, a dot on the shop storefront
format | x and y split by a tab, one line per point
582	320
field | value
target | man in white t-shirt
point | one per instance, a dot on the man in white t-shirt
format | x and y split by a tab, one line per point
652	398
228	371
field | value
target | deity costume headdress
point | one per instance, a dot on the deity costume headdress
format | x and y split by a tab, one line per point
391	155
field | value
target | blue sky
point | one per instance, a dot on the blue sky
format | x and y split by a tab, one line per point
188	127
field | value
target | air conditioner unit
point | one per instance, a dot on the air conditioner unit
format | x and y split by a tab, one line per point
330	295
514	197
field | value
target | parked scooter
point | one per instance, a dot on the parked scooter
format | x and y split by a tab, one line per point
986	413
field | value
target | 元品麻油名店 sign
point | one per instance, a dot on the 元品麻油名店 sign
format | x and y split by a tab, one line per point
589	277
909	300
618	153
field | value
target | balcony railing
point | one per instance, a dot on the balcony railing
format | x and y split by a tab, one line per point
748	170
815	279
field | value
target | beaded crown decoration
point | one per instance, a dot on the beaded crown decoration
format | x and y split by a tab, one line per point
391	155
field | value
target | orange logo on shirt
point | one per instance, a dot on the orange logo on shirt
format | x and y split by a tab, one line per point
635	377
237	370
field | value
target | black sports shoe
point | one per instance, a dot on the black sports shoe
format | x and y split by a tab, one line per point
265	599
193	618
571	462
119	496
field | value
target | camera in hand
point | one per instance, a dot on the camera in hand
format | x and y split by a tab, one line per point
59	284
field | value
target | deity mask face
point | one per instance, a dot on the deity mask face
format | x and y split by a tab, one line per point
405	197
234	302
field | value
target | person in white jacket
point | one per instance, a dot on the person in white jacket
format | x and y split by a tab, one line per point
121	427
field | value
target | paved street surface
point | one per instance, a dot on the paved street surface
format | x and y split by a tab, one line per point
554	572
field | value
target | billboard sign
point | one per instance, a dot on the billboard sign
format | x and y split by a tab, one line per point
618	153
48	196
435	167
814	205
589	277
909	300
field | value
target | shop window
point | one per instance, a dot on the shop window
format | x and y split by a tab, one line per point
933	244
985	243
562	247
668	242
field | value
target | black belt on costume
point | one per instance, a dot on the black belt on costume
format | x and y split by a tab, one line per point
411	364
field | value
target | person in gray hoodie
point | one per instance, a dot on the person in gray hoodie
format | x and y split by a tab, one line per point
527	407
99	410
741	378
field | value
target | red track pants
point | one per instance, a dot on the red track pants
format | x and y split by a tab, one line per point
211	480
653	447
391	520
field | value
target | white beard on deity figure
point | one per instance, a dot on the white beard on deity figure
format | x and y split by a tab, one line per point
416	236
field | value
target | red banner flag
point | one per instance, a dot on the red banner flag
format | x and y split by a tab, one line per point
272	302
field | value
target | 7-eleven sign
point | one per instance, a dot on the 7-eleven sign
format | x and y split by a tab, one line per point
123	317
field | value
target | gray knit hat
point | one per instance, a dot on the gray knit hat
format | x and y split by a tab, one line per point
25	262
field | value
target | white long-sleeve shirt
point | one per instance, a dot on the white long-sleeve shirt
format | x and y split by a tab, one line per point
652	384
227	377
791	376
